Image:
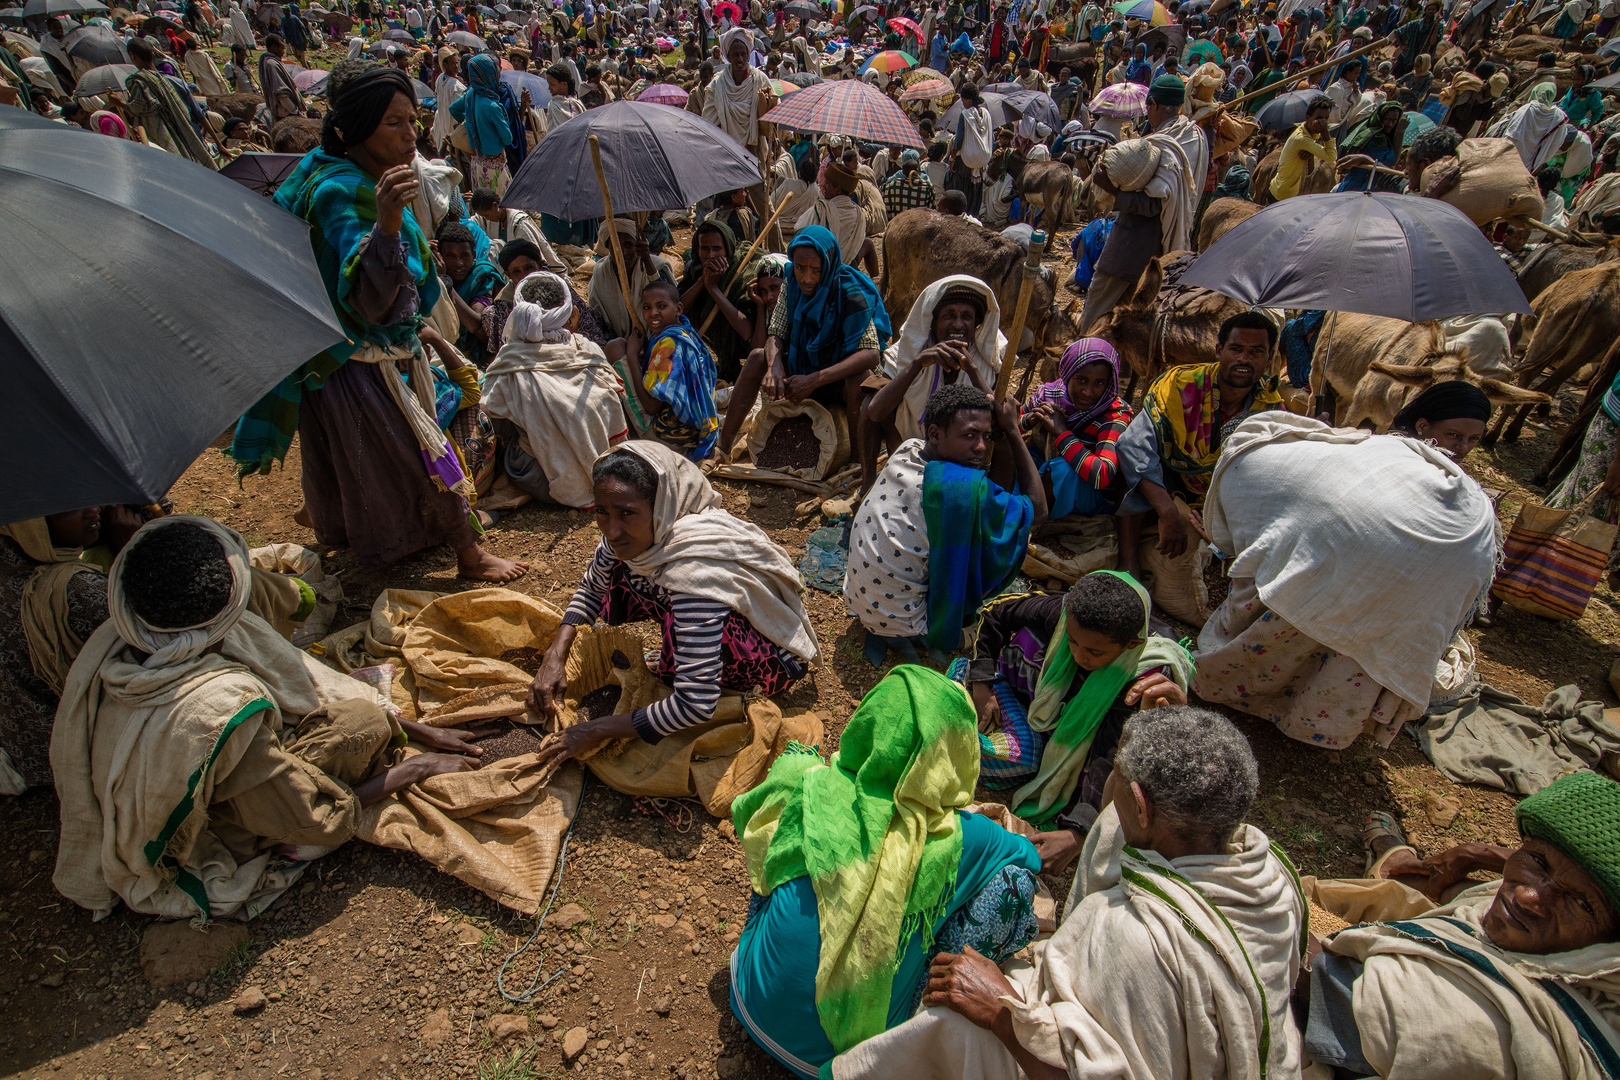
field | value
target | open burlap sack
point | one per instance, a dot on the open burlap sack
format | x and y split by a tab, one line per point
1177	585
377	641
715	762
1494	185
1068	550
454	647
831	428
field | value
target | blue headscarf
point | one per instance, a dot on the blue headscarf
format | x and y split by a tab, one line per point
826	326
489	132
963	44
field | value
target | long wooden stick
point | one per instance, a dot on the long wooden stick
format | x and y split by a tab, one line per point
1271	88
742	262
1032	270
613	235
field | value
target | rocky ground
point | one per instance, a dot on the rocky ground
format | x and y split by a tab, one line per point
378	965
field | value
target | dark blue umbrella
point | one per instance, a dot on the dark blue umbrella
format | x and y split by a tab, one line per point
158	300
1399	256
655	158
1286	110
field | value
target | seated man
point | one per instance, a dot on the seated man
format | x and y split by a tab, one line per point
1171	446
826	334
194	746
1511	978
672	374
1181	939
839	213
954	329
936	535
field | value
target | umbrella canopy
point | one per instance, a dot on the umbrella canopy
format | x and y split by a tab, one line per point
1000	113
804	9
664	94
1416	124
34	8
311	80
96	45
729	9
116	400
11	15
399	35
846	107
865	11
922	74
261	173
103	80
1286	110
655	158
1122	101
927	90
1149	11
902	25
1205	52
802	78
888	62
338	21
462	39
1608	82
1031	104
783	89
1373	254
539	90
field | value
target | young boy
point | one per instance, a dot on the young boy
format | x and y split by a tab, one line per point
1054	678
937	535
672	373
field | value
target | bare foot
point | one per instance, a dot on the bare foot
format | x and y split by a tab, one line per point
476	564
301	515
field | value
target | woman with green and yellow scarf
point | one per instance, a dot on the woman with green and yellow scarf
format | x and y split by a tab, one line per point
865	867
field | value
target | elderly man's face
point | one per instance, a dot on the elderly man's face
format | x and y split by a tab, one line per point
955	322
1548	904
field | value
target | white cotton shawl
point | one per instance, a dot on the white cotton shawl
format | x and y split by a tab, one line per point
1195	148
1179	187
733	108
917	334
1536	130
976	137
447	90
701	550
205	73
1377	546
605	295
844	218
437	181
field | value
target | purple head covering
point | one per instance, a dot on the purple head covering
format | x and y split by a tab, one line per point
1085	351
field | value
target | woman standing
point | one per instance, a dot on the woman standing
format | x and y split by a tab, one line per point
489	124
378	473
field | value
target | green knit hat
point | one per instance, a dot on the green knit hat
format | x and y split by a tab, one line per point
1579	814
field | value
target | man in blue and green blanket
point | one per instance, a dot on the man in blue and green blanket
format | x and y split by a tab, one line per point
939	533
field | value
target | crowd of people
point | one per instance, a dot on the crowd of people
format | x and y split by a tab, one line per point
198	755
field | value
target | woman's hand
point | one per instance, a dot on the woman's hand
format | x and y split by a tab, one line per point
1048	420
396	188
580	739
1057	849
450	740
1155	689
970	983
423	766
714	272
988	706
550	684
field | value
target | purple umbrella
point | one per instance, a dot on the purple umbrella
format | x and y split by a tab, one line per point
1398	256
664	94
1122	101
262	173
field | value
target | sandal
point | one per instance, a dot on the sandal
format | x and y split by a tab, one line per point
1381	824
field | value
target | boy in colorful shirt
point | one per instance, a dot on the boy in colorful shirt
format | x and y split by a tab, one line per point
672	374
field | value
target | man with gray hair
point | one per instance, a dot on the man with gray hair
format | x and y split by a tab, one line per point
1180	943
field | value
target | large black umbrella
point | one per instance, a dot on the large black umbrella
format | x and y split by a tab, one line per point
804	9
158	301
802	78
1399	256
107	79
655	158
96	45
261	173
399	35
1286	110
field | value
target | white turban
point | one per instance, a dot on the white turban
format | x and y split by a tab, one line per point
530	321
735	33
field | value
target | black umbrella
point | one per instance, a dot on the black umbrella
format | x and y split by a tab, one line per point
261	173
398	35
1286	110
35	8
804	9
122	334
96	45
801	78
655	158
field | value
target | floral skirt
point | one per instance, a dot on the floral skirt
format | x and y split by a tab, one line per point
490	172
1252	659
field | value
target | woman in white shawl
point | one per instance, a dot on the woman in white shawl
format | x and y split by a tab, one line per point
723	594
205	73
558	389
564	105
240	32
735	95
1538	128
357	46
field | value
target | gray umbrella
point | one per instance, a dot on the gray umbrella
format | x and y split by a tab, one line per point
655	158
1000	109
96	45
121	364
1031	104
1286	110
1399	256
34	8
104	80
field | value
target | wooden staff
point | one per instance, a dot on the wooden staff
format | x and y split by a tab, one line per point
742	262
613	234
1032	270
1271	88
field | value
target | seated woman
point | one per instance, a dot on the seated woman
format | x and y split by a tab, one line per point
1053	679
473	286
1355	559
671	374
725	596
717	296
559	391
1509	978
865	869
1082	413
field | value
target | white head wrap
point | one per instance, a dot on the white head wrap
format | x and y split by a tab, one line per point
184	643
734	34
530	321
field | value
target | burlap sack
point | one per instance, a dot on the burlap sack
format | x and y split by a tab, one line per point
454	647
1177	585
377	641
1068	550
831	428
1494	184
715	762
298	561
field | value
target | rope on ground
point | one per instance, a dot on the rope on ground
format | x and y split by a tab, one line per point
681	820
535	985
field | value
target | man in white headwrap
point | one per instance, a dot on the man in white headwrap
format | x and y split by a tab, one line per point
196	750
448	89
736	97
952	334
558	389
1180	943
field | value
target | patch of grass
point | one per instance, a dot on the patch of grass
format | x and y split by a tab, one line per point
235	961
516	1067
488	941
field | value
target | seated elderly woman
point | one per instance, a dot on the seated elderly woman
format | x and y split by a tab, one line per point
865	869
190	728
724	595
1181	939
1355	560
1509	979
557	389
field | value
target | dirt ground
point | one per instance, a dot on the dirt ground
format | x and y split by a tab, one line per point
379	965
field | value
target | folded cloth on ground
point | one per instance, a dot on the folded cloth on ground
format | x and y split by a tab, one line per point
1498	740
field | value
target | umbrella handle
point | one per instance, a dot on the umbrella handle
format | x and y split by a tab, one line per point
613	234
